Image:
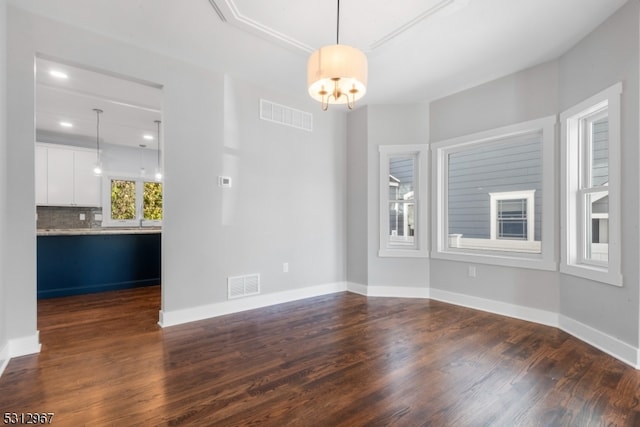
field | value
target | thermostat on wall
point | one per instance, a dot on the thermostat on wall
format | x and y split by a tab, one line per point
224	181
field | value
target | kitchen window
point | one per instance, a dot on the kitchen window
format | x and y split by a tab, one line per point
133	202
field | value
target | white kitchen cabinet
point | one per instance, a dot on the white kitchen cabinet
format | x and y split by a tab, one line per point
69	176
41	175
59	177
86	185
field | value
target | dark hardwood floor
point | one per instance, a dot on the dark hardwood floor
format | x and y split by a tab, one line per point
336	360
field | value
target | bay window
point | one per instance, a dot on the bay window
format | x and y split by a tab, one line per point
494	193
591	188
403	198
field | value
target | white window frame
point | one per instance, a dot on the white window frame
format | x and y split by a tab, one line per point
575	188
528	195
419	247
441	248
139	221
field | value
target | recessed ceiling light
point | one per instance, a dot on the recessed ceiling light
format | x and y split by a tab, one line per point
58	74
66	124
148	137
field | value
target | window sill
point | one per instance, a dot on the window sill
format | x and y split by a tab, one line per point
131	224
403	253
534	262
594	273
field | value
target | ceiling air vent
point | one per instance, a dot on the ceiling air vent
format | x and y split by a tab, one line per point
242	286
281	114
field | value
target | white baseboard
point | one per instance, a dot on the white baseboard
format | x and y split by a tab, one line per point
388	291
24	345
4	358
610	345
357	288
17	347
529	314
177	317
606	343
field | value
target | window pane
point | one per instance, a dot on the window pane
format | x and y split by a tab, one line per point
152	200
401	177
123	199
512	219
600	152
505	166
402	225
597	234
512	208
401	222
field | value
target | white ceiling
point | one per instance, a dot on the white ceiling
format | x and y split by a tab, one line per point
418	50
129	109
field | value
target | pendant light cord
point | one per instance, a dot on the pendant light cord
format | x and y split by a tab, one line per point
158	123
338	25
98	130
98	111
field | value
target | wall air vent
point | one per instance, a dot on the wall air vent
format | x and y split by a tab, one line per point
242	286
281	114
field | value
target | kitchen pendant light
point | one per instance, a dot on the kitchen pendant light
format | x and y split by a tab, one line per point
97	167
337	74
158	169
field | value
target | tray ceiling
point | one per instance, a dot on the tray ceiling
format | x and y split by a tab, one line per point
365	24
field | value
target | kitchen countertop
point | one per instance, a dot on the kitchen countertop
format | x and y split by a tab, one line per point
97	231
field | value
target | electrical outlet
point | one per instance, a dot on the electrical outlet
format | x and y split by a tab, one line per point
82	217
472	271
224	181
285	267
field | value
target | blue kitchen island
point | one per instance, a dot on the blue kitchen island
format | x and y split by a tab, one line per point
83	261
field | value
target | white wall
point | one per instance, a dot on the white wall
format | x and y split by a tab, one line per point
115	158
4	343
128	160
20	274
287	203
607	316
357	197
609	55
392	125
370	127
527	95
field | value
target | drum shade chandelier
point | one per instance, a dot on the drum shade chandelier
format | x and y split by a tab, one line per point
337	74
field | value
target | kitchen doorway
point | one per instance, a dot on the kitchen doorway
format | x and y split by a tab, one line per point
99	182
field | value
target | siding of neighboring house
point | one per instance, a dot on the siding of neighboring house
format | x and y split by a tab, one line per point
600	174
601	206
402	169
510	165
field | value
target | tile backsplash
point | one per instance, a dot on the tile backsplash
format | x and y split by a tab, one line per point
67	217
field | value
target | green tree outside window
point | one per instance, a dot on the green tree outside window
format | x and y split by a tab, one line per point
123	199
152	200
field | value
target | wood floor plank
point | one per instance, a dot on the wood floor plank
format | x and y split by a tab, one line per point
335	360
